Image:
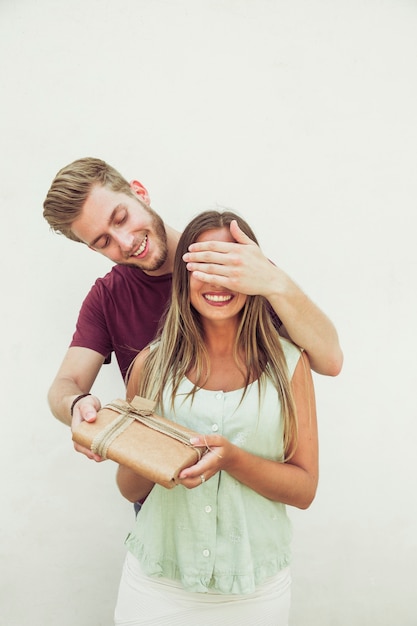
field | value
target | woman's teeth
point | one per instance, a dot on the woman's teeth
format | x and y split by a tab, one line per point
218	298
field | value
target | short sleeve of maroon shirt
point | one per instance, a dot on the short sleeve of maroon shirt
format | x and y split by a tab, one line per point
121	313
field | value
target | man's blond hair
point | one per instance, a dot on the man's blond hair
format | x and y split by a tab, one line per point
71	188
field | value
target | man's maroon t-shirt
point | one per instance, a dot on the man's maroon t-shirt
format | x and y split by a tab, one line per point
121	313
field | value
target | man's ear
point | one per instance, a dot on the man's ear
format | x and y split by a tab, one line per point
141	191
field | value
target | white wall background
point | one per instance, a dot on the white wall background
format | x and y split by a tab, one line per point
302	117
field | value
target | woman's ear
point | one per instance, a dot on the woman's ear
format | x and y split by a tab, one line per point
140	191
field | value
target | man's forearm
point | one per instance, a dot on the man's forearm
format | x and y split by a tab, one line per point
76	376
308	327
60	398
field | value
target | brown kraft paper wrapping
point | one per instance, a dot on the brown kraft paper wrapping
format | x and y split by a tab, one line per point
133	435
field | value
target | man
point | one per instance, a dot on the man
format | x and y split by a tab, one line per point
90	202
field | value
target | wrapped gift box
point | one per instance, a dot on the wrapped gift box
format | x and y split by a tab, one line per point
133	435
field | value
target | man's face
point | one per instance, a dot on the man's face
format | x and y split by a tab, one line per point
123	229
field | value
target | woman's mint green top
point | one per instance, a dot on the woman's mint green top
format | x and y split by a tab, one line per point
220	536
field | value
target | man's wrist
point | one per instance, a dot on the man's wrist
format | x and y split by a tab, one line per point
76	399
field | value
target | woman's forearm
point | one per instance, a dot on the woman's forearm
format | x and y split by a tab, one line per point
132	486
281	482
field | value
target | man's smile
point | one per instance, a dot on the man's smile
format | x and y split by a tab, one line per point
141	248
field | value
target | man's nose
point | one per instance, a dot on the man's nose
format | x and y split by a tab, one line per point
124	240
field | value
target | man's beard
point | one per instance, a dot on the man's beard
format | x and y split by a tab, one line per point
159	234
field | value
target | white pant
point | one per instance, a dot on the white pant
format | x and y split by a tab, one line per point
160	602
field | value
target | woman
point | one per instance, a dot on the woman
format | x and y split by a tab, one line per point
216	549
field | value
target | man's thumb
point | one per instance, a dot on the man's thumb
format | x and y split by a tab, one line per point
238	234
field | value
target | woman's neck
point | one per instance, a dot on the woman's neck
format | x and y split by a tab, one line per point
225	373
220	337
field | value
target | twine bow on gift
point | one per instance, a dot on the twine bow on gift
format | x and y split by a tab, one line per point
128	413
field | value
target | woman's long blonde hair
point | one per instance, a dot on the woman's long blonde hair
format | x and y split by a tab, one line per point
181	339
